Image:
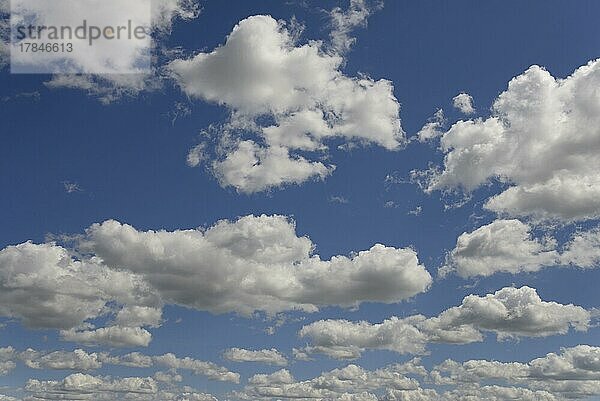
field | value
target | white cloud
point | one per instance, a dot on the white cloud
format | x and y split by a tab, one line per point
509	246
349	383
433	128
343	22
501	246
269	356
79	385
256	263
261	72
198	367
572	373
252	264
80	360
115	336
46	287
542	141
7	364
464	103
509	313
61	360
583	249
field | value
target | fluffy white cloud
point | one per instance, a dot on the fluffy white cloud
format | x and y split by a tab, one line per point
45	287
542	141
61	360
81	386
464	103
80	360
269	356
509	246
7	364
509	313
501	246
583	249
349	383
261	74
254	264
198	367
433	128
115	336
572	373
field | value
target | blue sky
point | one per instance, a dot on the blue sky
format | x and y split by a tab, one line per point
70	159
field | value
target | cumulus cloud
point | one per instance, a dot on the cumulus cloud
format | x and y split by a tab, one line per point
253	264
204	368
349	383
583	249
80	360
541	141
44	286
509	313
501	246
115	336
81	386
268	356
433	128
256	263
60	360
572	373
464	103
291	97
509	246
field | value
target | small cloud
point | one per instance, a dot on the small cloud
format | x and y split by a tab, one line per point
338	199
464	103
196	155
390	205
71	187
416	211
433	128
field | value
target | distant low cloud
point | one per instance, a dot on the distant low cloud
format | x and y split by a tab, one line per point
268	356
509	313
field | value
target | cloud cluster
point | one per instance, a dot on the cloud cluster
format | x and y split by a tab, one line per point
79	386
268	356
256	263
253	264
572	373
510	246
558	121
509	313
349	383
80	360
291	97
